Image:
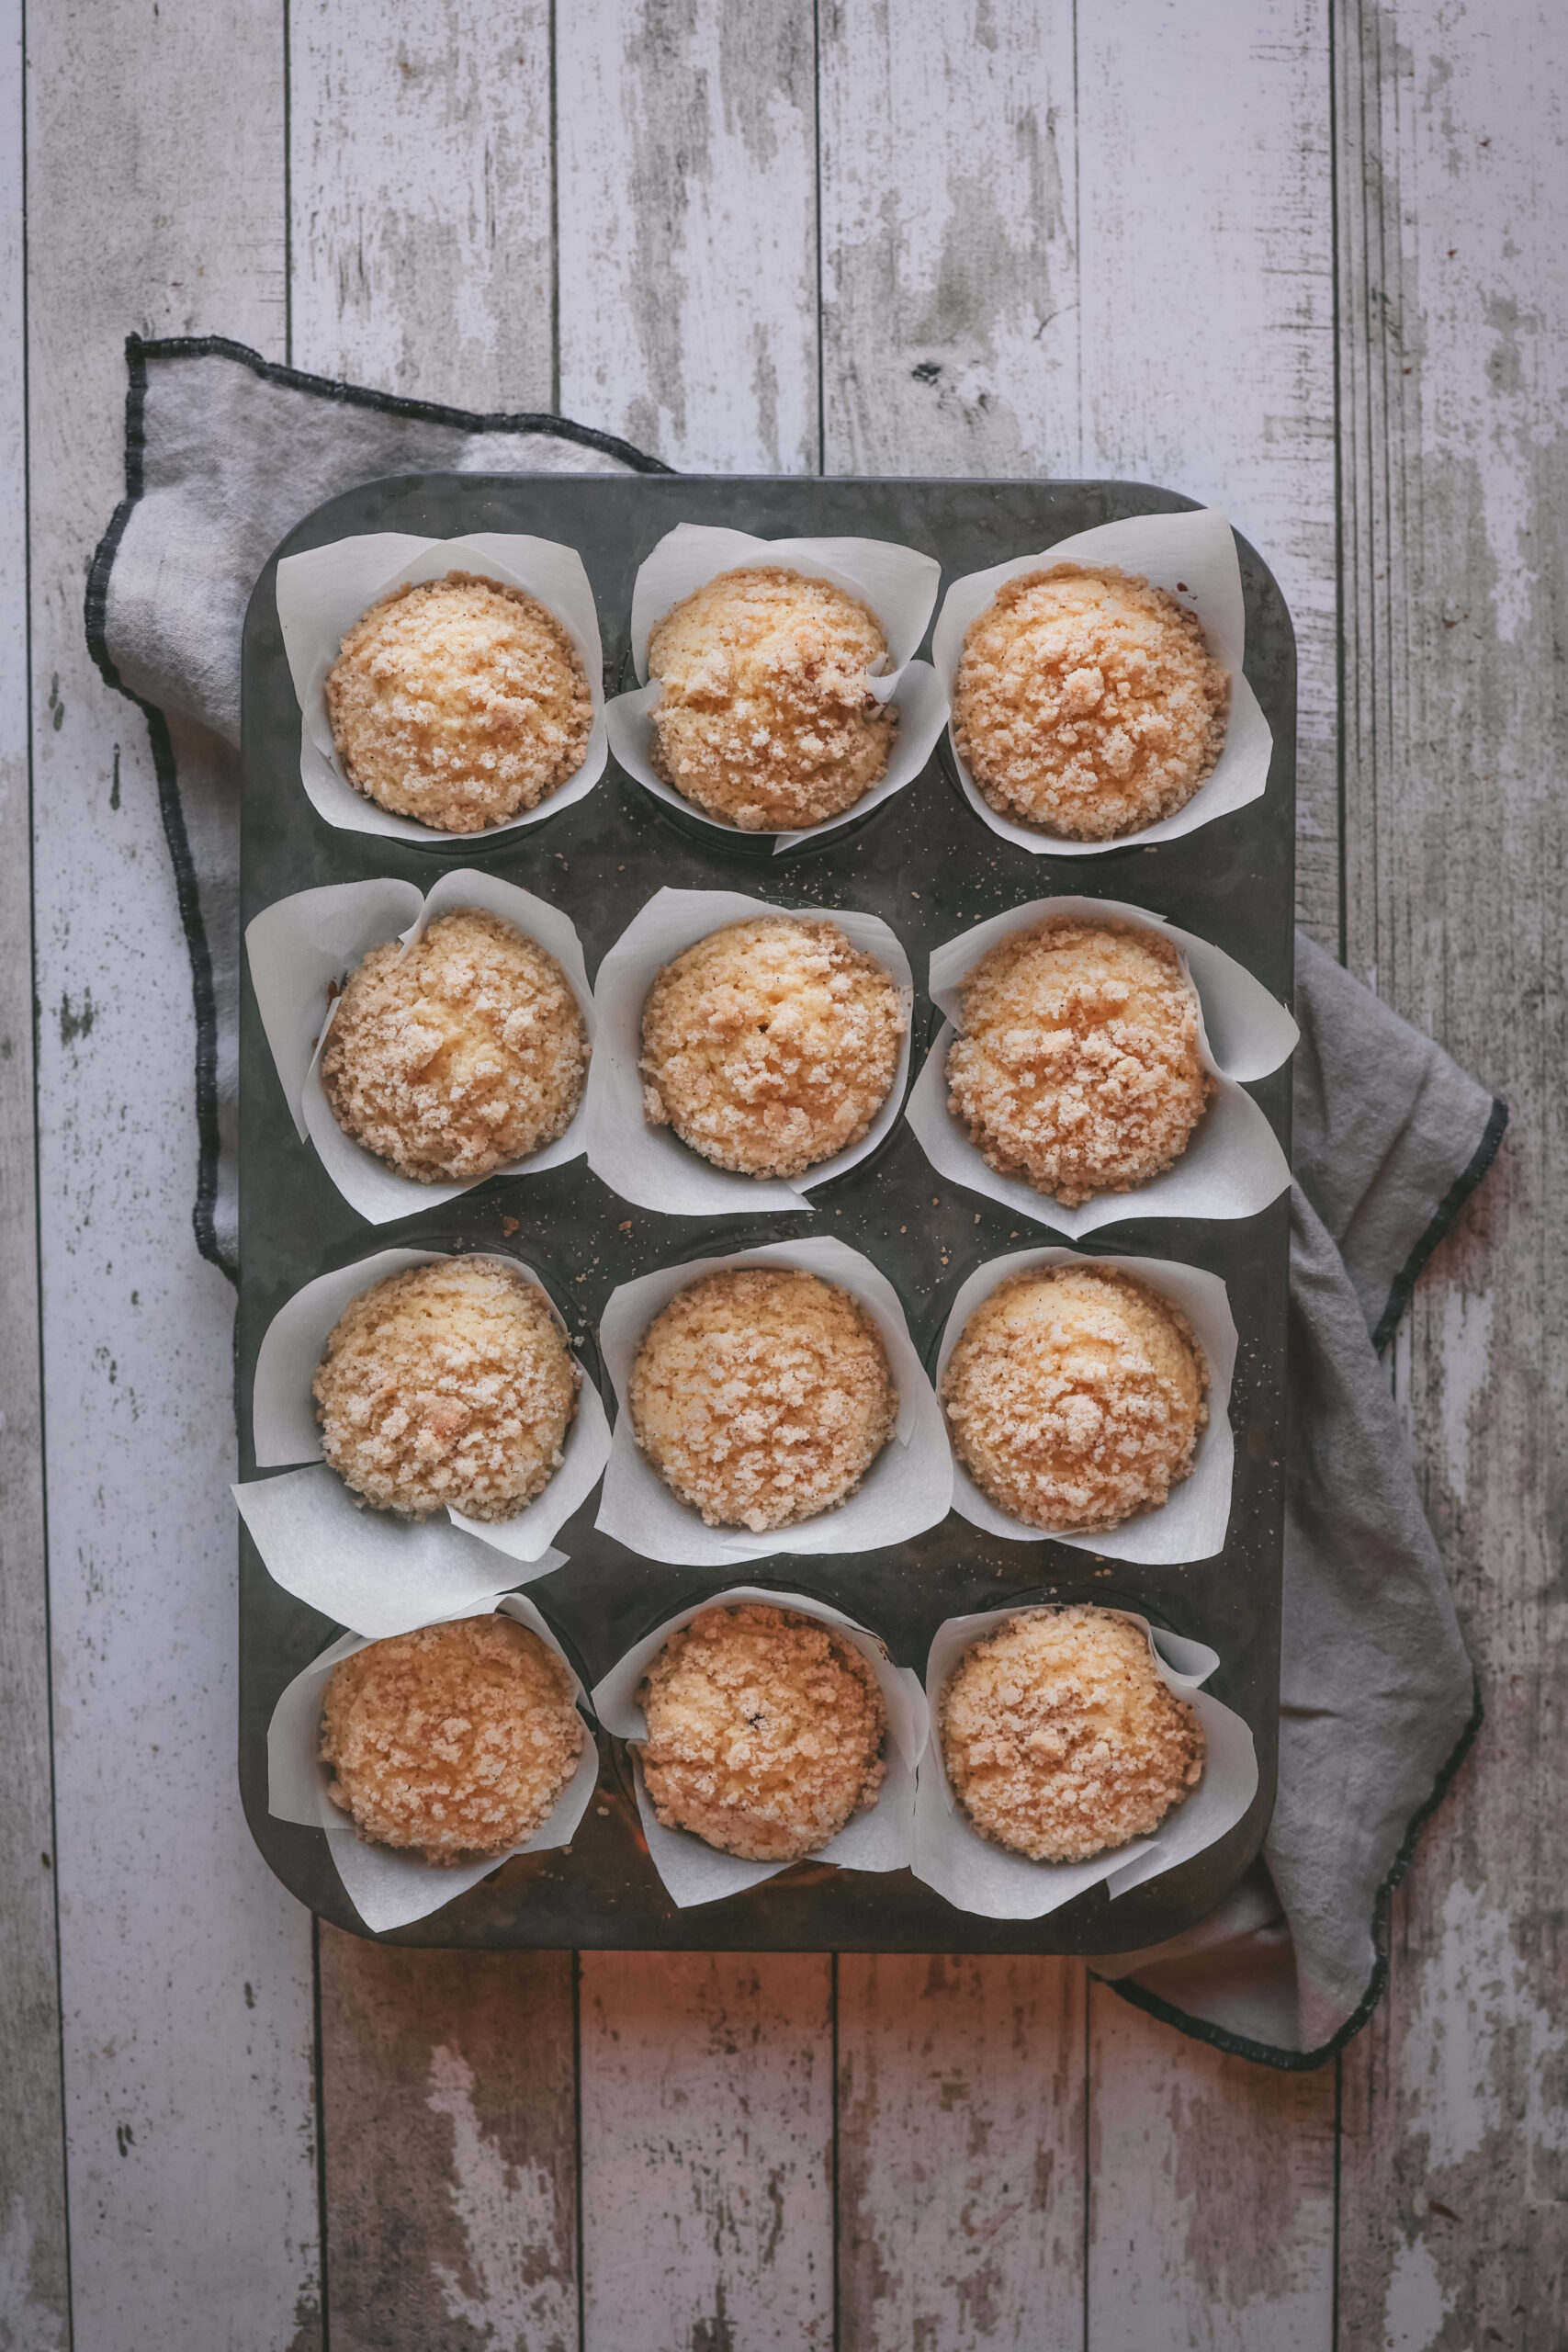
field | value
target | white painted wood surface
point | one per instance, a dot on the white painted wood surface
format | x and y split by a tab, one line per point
1305	266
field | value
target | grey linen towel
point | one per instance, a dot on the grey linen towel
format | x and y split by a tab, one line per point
224	453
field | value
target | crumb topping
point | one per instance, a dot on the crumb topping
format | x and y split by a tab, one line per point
1075	1398
770	1045
457	1738
762	1396
1061	1738
450	1058
448	1385
1079	1063
764	719
765	1732
1086	702
459	703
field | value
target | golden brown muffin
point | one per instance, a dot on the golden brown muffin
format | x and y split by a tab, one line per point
1061	1740
1078	1064
762	1396
1086	702
448	1385
765	1731
459	1054
1075	1398
459	703
457	1738
764	720
770	1045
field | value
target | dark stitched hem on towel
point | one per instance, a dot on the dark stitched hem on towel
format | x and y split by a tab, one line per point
1448	1207
1304	2062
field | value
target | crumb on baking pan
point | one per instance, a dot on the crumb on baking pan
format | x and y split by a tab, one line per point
1078	1064
448	1385
764	720
1086	702
1075	1398
765	1732
460	1053
770	1045
457	1739
1061	1738
459	703
762	1396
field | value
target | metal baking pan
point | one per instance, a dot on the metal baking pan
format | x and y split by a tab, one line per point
925	863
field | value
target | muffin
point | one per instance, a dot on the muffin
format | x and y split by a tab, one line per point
1078	1066
762	1396
459	703
764	720
1087	703
457	1739
459	1054
1075	1398
770	1045
448	1385
1061	1738
765	1731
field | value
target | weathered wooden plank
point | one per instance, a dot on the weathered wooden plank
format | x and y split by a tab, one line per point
1210	2198
1207	310
949	284
421	197
34	2286
961	2144
707	2122
1454	339
449	2149
155	170
685	169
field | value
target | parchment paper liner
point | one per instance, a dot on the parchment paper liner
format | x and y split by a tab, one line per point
1194	556
300	946
995	1883
283	1421
880	1838
324	590
1232	1168
388	1886
908	1487
1191	1524
651	1166
897	583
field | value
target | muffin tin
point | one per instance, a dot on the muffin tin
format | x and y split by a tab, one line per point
925	864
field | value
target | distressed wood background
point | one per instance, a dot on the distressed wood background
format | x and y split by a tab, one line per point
1305	260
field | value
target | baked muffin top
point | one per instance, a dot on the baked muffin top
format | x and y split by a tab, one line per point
1086	702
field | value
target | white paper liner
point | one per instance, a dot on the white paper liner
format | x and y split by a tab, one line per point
880	1838
1232	1168
388	1887
898	585
1194	556
1191	1524
284	1429
324	592
974	1876
300	946
908	1488
651	1166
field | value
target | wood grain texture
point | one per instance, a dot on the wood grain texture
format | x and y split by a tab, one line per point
34	2255
961	2146
450	2147
950	284
1454	351
420	185
154	160
685	167
706	2152
1212	2196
